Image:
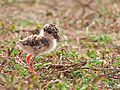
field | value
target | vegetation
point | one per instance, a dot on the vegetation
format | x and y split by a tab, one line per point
87	58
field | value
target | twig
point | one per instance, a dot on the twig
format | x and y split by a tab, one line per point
114	69
19	61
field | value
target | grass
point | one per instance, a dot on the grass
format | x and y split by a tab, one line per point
87	58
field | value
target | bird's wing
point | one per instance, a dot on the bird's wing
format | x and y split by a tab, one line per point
34	43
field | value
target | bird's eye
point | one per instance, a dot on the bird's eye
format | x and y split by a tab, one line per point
55	32
49	32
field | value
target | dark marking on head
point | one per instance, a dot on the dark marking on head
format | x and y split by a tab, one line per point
52	29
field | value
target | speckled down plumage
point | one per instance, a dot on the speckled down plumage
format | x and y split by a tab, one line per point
35	40
43	43
34	44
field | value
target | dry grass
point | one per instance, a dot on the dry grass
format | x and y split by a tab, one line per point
87	58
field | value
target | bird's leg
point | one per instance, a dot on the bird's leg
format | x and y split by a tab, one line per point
31	68
30	63
28	59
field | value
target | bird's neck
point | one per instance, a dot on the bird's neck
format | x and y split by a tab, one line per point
46	35
41	32
51	39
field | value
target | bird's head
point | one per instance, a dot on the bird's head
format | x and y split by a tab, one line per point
52	30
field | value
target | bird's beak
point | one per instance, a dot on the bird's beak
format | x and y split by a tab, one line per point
57	36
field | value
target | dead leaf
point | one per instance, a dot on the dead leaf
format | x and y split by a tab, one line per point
99	78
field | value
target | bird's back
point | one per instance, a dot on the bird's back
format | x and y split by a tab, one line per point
34	44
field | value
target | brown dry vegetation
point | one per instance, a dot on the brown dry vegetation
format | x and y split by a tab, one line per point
87	58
